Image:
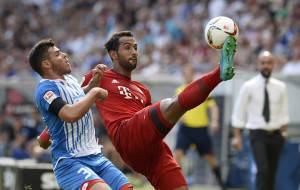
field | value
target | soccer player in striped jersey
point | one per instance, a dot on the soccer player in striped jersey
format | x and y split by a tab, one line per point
65	107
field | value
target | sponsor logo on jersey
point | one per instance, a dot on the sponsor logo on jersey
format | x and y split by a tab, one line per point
114	81
49	97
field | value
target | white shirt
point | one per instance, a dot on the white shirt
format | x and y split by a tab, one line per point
249	105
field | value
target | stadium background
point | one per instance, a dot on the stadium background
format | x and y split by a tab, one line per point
170	34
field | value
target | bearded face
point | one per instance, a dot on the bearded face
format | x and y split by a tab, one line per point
127	53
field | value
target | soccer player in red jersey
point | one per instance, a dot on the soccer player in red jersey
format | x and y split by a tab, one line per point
135	125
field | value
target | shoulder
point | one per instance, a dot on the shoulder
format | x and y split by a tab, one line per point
250	83
45	86
278	83
108	76
255	81
110	73
140	85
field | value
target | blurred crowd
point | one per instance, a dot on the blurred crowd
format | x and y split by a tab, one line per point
169	32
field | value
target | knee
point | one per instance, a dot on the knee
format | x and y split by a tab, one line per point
171	109
168	103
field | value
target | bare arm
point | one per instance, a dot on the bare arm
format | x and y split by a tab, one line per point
214	114
237	133
283	130
237	140
71	113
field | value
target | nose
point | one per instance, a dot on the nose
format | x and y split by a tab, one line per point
65	54
134	52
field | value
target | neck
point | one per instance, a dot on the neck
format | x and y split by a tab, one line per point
53	76
118	69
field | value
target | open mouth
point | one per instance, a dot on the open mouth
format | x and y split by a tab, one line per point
133	59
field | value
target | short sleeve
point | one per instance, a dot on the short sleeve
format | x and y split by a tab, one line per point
46	93
86	79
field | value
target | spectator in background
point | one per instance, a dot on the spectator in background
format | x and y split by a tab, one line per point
162	24
193	128
261	107
4	137
292	67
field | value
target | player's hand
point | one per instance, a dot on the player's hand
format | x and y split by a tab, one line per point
100	93
97	73
44	139
283	131
237	143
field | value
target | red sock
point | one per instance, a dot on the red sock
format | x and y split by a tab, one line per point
197	91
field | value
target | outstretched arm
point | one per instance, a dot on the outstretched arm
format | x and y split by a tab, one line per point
214	115
71	113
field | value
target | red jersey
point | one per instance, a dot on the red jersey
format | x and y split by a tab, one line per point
135	130
125	98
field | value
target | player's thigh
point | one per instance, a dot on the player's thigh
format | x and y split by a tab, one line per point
166	173
112	175
72	174
171	180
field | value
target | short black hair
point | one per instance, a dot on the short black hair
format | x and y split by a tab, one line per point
113	42
38	53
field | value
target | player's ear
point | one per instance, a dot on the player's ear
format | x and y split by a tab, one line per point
45	65
113	55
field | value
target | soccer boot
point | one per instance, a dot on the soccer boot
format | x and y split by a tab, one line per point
227	55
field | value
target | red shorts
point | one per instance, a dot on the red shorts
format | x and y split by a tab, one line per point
141	146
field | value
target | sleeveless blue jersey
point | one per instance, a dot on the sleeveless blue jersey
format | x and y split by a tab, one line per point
68	139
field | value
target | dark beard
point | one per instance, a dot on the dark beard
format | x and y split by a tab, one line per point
126	65
265	74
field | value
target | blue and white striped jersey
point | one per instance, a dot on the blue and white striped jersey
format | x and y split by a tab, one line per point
68	139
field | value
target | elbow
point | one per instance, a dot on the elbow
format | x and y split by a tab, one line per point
69	116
